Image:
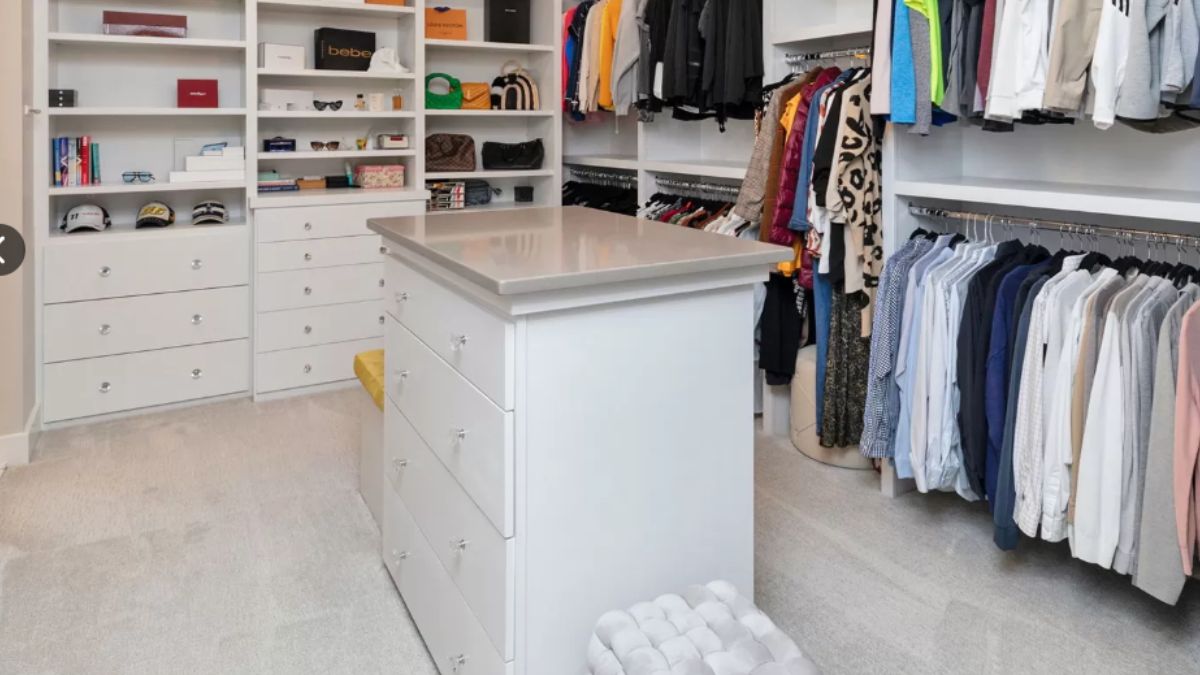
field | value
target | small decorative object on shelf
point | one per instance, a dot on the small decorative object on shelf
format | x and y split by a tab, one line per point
340	49
376	101
197	94
280	57
271	181
85	217
155	214
63	98
279	100
75	162
325	145
446	195
397	101
145	24
279	144
311	183
210	212
523	193
379	176
445	23
360	104
385	61
333	106
392	141
143	177
506	21
337	182
361	143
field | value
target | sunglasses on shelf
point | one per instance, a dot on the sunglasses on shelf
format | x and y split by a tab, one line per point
138	177
332	105
326	145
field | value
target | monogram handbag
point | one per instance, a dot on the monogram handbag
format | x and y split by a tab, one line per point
449	152
476	96
514	156
515	89
451	100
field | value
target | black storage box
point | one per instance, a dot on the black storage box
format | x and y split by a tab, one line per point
523	193
506	21
339	49
62	98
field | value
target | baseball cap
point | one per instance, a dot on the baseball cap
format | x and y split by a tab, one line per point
155	214
210	213
85	217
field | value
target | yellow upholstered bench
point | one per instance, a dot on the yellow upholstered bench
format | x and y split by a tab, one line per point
368	366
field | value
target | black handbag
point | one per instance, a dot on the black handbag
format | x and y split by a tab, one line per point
513	156
479	192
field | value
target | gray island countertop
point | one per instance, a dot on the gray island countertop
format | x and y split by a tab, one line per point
527	250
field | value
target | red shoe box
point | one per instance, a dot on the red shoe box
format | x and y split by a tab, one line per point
197	94
145	24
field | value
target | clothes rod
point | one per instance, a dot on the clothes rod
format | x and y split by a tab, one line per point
603	175
1081	229
859	52
698	186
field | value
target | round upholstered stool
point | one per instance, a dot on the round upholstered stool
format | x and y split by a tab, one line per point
709	630
804	417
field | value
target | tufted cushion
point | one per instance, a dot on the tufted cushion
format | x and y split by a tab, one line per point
709	630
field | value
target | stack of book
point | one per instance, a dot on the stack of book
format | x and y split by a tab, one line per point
226	163
75	161
271	181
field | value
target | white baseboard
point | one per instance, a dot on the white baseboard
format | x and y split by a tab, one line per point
15	449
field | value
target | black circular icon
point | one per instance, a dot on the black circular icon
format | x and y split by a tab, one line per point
12	250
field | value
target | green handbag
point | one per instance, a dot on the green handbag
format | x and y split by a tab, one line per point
452	100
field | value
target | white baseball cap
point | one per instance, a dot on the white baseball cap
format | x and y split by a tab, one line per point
85	217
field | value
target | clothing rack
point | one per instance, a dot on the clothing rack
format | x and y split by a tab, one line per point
1067	228
604	177
697	187
804	57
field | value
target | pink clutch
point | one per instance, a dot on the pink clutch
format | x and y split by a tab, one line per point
379	176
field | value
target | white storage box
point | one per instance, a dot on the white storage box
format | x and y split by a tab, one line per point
280	57
280	99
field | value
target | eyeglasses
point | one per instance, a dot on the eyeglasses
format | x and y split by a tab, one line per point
138	177
326	145
332	105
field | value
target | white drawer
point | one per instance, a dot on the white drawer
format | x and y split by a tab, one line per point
478	343
95	267
315	222
114	383
292	368
310	288
308	254
472	437
311	326
477	558
456	641
80	330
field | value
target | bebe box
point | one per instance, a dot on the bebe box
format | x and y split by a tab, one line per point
197	94
379	176
280	57
339	49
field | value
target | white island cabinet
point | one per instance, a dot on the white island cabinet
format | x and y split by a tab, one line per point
570	425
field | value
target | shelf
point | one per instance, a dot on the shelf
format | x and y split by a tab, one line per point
494	206
122	188
455	175
335	115
1130	202
623	162
707	168
473	45
334	196
333	154
829	31
333	7
126	231
145	112
341	74
489	113
139	41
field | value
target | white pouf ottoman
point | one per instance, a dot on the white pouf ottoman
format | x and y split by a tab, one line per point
709	630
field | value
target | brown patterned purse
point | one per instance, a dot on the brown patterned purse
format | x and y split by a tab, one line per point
449	152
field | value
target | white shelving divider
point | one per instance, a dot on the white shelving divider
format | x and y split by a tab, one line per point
333	8
333	74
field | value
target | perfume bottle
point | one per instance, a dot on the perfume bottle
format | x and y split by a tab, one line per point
360	103
397	101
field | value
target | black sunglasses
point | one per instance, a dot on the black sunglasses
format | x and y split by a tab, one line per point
332	105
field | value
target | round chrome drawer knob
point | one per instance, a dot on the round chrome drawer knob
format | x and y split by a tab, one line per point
382	320
401	296
459	545
460	434
384	250
307	368
105	329
307	257
307	227
197	319
197	373
308	290
402	374
307	330
105	387
197	264
457	662
105	271
381	283
457	342
399	464
399	556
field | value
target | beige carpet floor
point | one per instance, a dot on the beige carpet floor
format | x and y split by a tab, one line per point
230	538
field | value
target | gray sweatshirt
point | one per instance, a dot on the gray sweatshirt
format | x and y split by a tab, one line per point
1141	90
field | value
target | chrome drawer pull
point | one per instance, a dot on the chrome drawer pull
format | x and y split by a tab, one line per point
381	282
402	374
197	319
105	329
197	264
308	290
460	434
307	368
459	545
197	374
399	556
307	227
307	330
457	342
382	320
401	296
105	271
105	387
384	250
457	662
399	464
